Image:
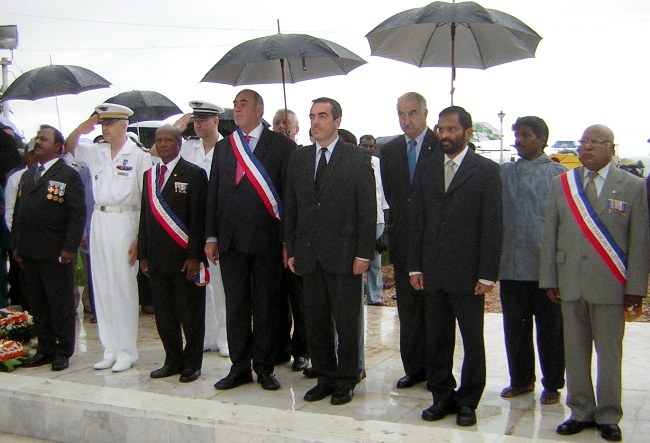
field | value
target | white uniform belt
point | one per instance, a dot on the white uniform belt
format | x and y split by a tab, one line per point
123	208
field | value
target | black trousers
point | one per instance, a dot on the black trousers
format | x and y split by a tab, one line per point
251	284
442	312
521	301
333	304
179	305
412	337
292	313
49	288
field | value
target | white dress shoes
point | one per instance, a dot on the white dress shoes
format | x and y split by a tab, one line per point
122	366
104	364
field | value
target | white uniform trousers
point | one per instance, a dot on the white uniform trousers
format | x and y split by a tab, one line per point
215	311
114	283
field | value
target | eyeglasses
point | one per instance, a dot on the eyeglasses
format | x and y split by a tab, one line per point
595	143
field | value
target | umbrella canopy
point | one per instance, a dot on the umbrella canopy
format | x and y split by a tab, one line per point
146	105
305	57
53	80
282	58
485	132
463	35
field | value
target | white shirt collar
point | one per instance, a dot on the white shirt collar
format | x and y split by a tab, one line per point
459	158
329	147
171	164
257	132
602	173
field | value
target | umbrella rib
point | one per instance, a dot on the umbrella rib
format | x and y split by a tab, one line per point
426	47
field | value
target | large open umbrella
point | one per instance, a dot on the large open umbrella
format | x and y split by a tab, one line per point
146	105
52	81
463	35
282	58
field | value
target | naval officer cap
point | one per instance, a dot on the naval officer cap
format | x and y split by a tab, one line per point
202	108
111	111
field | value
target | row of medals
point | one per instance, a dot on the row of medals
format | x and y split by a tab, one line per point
53	194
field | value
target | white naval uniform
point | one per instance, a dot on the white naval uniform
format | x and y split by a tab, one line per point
117	187
215	298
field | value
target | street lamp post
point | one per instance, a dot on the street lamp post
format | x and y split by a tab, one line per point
8	40
501	114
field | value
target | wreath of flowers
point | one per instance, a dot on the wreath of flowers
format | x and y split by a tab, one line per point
11	352
16	325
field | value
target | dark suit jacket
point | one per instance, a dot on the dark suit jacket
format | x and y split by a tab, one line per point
154	243
337	224
397	189
43	227
236	215
455	236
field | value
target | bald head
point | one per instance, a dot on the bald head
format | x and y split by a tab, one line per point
596	147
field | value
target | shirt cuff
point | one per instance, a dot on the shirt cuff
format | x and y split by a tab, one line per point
211	240
486	282
415	273
362	259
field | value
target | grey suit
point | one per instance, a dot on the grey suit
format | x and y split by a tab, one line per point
592	299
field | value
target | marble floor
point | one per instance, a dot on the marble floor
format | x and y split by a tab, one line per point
95	405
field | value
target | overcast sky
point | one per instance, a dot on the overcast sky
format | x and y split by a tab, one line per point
592	65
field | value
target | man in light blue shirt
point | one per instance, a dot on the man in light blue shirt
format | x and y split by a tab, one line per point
526	185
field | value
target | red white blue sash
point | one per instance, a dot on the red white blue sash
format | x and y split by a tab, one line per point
170	222
256	174
592	226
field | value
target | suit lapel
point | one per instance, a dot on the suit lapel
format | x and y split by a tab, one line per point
168	190
262	147
47	175
610	189
337	154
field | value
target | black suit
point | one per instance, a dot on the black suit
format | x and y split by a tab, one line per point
42	228
325	230
250	250
410	303
455	240
178	302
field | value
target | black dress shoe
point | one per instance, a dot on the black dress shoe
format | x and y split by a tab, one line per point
465	416
318	392
408	381
189	375
233	380
571	427
268	382
299	364
165	371
437	411
60	363
610	432
37	360
341	396
309	373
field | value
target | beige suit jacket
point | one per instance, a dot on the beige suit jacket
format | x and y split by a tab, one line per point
569	262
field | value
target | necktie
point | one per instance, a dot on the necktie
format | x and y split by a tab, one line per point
320	169
450	171
39	173
161	176
239	172
590	189
412	157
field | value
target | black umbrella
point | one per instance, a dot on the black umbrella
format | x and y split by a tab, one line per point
53	80
282	58
146	105
464	35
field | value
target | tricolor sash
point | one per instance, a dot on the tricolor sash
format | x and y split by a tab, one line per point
592	226
256	174
170	222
